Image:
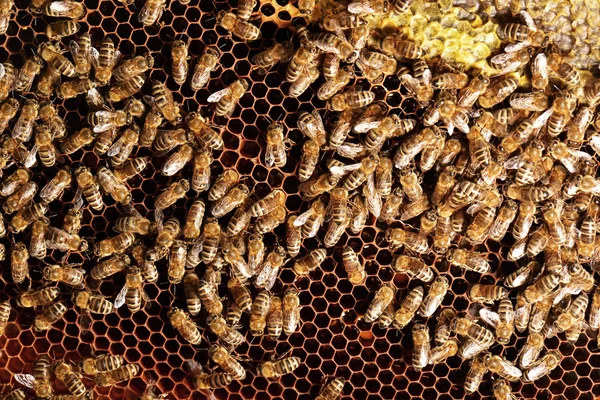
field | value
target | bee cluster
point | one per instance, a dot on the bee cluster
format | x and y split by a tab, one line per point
504	154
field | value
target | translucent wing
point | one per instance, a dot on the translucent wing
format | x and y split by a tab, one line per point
95	57
2	71
116	147
542	119
594	142
473	208
513	48
540	66
528	20
270	155
372	198
318	120
360	7
85	321
514	162
26	380
151	101
31	157
302	218
131	210
159	217
351	150
489	317
120	300
60	7
116	58
344	169
213	98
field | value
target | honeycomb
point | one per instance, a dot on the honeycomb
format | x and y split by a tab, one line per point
332	340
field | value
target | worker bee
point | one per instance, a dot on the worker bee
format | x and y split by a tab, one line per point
24	126
40	380
275	151
133	67
542	288
539	314
383	297
19	266
574	312
335	84
133	291
504	368
103	363
231	200
421	349
542	367
331	43
412	146
50	314
466	327
186	327
111	185
440	353
7	80
357	172
309	262
126	89
163	102
397	237
269	369
223	184
207	62
114	245
237	26
70	276
103	120
105	60
121	374
531	350
265	60
81	49
177	160
353	266
275	319
408	307
521	275
312	219
470	261
563	69
149	131
60	29
476	372
89	302
25	217
443	328
258	313
26	75
203	132
21	197
487	293
353	98
90	187
228	98
131	168
210	298
151	12
77	141
498	91
56	186
8	110
434	298
174	192
226	361
180	65
15	181
177	261
502	390
523	35
413	267
302	60
72	89
72	380
110	266
293	236
226	334
267	273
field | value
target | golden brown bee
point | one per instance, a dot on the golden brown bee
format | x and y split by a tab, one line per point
352	98
7	8
64	8
421	349
50	314
333	390
522	275
104	61
269	369
353	266
134	224
435	296
308	160
293	236
149	131
126	89
177	261
409	148
133	291
193	221
77	141
563	69
48	81
72	89
502	390
226	334
594	315
275	151
8	110
543	287
223	184
383	297
7	80
81	50
397	237
470	261
334	85
576	130
104	120
191	283
19	266
40	297
200	181
40	380
49	115
226	361
14	181
440	353
408	307
120	151
267	272
60	29
241	294
267	204
498	91
524	219
238	25
265	60
414	268
56	186
209	297
232	199
309	262
110	266
103	363
21	197
186	327
302	60
169	139
174	192
90	187
26	216
306	6
72	380
331	43
275	319
207	62
203	132
4	314
163	102
179	61
89	302
114	245
69	276
487	293
228	98
151	12
111	185
574	312
504	368
133	67
121	374
25	77
131	168
24	126
476	372
531	350
542	367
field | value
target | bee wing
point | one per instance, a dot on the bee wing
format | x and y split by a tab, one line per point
26	380
473	208
513	48
213	98
489	317
302	218
526	17
95	57
116	147
60	7
514	162
594	142
2	71
525	103
360	7
502	59
542	119
411	83
78	200
270	155
318	119
116	57
350	150
345	169
120	300
364	127
372	198
159	217
540	66
31	157
131	210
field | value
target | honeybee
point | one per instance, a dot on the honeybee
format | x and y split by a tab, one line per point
72	380
421	348
408	307
151	12
211	235
333	390
414	268
81	50
174	192
131	168
184	324
267	271
302	60
163	102
275	319
226	334
502	390
307	77
574	312
265	60
563	69
114	245
177	160
275	152
487	293
542	288
90	187
40	297
270	369
223	184
149	131
594	315
133	291
26	75
40	380
50	314
258	313
70	276
480	335
531	350
576	131
177	261
313	188
440	353
331	43
398	47
207	63
56	186
8	110
309	262
77	141
60	29
383	297
203	132
20	198
412	146
105	60
391	126
121	374
234	197
25	217
443	327
352	98
397	237
498	91
542	367
353	266
179	65
435	296
111	185
15	181
24	126
103	363
239	267
335	84
476	372
72	89
110	266
504	368
312	219
237	26
89	302
470	261
19	266
228	98
7	80
210	298
126	89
